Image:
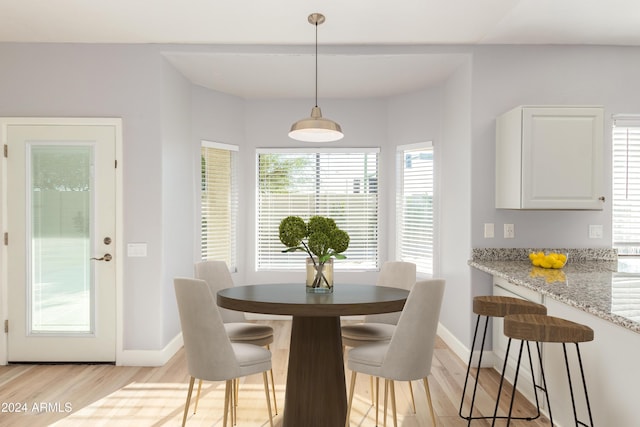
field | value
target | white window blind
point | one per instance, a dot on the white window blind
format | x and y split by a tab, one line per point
626	185
219	202
414	206
338	183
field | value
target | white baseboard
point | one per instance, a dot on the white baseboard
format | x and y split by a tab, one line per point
160	357
462	351
150	357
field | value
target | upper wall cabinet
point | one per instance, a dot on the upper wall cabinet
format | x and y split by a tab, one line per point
549	158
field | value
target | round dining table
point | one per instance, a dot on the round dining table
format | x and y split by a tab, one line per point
316	393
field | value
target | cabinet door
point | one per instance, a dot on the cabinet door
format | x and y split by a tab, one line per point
562	158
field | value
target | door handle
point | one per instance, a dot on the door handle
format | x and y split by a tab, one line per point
106	257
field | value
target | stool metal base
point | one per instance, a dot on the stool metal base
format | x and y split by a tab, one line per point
536	387
544	386
470	416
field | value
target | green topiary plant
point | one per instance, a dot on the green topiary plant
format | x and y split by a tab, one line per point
323	239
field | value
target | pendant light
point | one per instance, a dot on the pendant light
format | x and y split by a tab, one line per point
316	128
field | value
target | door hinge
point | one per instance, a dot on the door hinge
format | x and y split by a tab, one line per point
6	150
6	239
6	326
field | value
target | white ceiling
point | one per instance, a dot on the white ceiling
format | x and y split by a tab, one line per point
280	61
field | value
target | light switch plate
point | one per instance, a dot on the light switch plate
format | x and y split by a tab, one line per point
489	231
137	249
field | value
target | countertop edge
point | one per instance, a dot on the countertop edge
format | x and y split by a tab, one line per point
613	318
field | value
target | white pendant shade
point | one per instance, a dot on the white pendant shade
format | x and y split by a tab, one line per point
316	128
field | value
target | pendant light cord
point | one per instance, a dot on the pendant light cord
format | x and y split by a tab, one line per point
316	63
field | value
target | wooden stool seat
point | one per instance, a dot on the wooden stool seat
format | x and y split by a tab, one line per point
497	306
540	328
543	328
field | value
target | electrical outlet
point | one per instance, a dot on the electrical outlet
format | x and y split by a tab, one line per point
595	231
509	231
489	232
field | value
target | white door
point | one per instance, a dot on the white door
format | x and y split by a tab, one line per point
61	220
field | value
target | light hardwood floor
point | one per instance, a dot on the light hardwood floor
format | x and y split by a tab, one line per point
104	395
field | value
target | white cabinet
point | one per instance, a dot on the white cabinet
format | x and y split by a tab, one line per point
503	288
549	158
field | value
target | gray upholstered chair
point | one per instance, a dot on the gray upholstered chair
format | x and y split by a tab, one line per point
380	327
408	355
217	276
210	354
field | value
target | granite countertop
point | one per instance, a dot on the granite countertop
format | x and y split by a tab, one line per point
592	280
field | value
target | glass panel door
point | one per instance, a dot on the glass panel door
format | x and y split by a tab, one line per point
62	256
61	286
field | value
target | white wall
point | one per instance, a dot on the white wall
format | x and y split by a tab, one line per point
454	166
164	119
179	166
412	118
106	81
219	117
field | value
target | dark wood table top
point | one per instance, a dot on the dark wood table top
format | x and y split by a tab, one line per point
292	299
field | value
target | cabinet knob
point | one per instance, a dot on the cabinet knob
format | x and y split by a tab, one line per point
601	198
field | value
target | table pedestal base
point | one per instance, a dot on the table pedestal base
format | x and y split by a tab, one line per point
315	378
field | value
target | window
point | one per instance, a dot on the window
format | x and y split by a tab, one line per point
626	185
338	183
414	205
219	202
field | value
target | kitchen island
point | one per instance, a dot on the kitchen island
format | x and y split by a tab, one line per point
595	289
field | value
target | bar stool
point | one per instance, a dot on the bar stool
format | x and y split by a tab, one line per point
547	329
496	306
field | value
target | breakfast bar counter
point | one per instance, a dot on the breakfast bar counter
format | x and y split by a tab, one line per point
593	281
597	289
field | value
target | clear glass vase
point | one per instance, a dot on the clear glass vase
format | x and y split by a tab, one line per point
319	277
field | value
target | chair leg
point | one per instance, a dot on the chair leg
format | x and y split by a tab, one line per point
273	390
227	396
352	388
266	392
393	404
386	395
195	407
429	401
413	399
371	387
234	401
273	387
186	405
377	397
236	390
